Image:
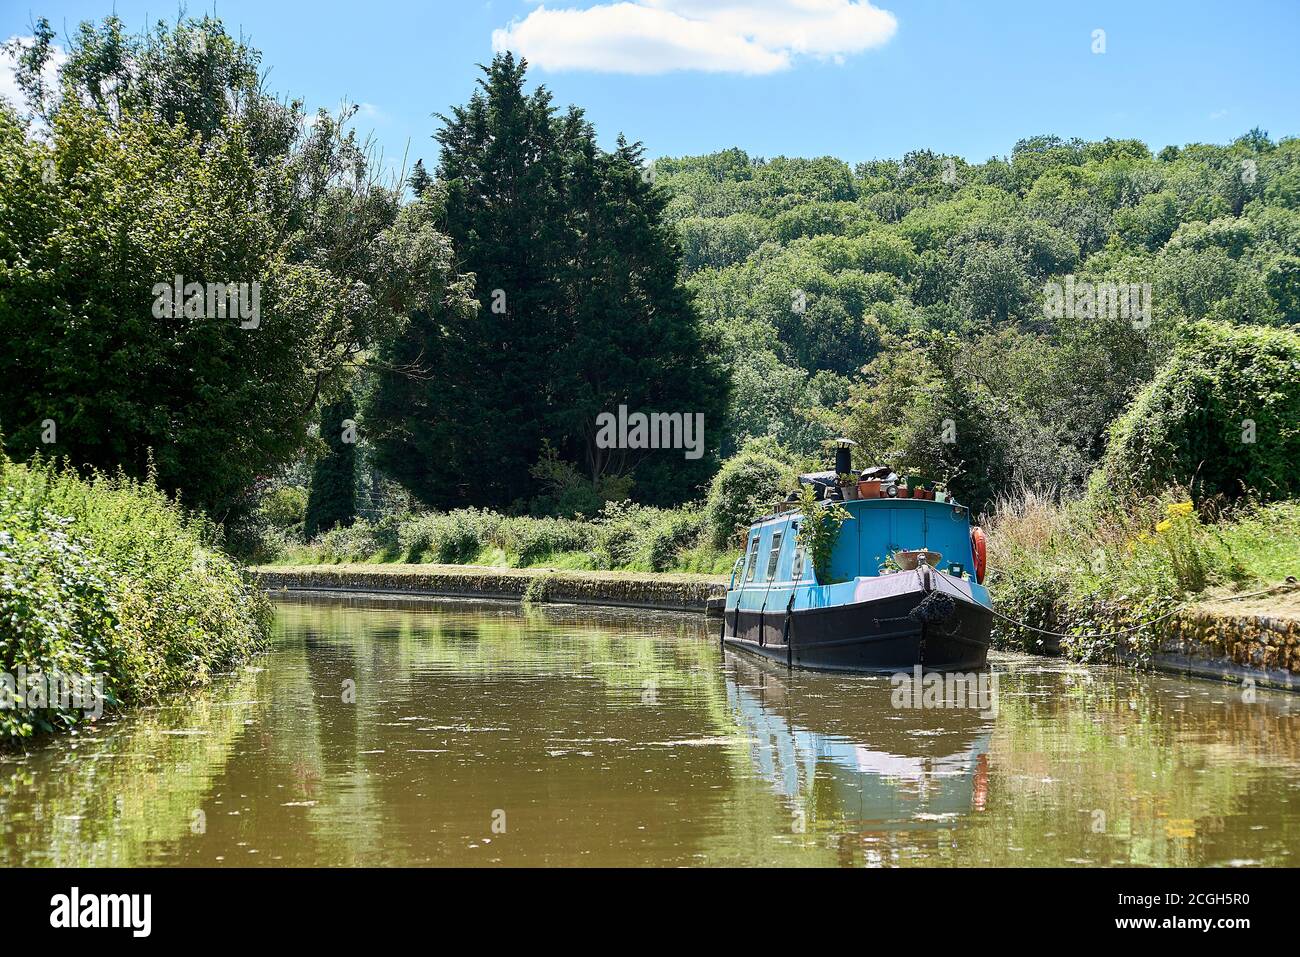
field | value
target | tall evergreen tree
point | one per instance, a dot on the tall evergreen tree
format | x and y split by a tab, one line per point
419	180
332	500
580	310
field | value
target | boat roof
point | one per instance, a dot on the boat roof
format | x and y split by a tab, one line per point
795	512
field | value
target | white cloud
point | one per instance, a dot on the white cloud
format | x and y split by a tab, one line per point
717	36
8	67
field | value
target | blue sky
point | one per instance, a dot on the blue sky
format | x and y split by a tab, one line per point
783	77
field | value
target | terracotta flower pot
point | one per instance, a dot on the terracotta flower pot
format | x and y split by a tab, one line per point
869	488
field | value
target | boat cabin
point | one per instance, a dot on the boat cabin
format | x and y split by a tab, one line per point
876	530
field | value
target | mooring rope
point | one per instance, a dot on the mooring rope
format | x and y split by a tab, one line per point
1289	583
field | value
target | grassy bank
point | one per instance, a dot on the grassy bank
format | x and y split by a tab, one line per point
622	537
1089	566
109	577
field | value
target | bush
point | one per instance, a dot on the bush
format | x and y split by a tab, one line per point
621	528
1220	418
644	538
353	543
533	539
284	507
452	538
677	531
747	484
108	576
623	535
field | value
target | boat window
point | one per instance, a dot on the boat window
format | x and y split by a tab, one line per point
796	567
752	562
773	556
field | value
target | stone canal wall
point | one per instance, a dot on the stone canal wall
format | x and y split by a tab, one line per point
1214	642
630	589
1257	637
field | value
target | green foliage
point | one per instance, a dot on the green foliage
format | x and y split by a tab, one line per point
361	541
721	242
623	535
960	334
108	576
285	506
538	590
567	493
646	539
1222	418
819	530
580	309
333	498
167	158
747	485
1091	567
449	538
532	540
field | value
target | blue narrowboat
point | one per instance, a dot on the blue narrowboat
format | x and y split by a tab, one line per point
904	586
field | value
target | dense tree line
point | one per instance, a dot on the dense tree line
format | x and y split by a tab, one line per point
527	286
988	324
909	302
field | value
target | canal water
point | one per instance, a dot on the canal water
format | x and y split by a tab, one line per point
443	733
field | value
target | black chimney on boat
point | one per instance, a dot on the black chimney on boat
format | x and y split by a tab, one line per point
844	456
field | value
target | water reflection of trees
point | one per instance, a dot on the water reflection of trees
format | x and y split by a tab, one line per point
499	746
117	794
620	736
1111	767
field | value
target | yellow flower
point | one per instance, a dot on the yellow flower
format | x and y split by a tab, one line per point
1165	525
1175	509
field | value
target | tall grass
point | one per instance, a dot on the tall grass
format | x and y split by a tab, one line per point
108	576
1092	565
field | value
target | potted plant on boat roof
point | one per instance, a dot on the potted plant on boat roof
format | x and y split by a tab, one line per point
868	488
848	484
943	487
871	481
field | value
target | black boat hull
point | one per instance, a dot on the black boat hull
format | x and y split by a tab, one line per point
884	635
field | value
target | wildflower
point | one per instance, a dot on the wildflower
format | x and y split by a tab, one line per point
1165	525
1178	509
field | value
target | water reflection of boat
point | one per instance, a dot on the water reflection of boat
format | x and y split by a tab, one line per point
853	759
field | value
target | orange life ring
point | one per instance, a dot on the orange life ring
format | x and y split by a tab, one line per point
979	545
